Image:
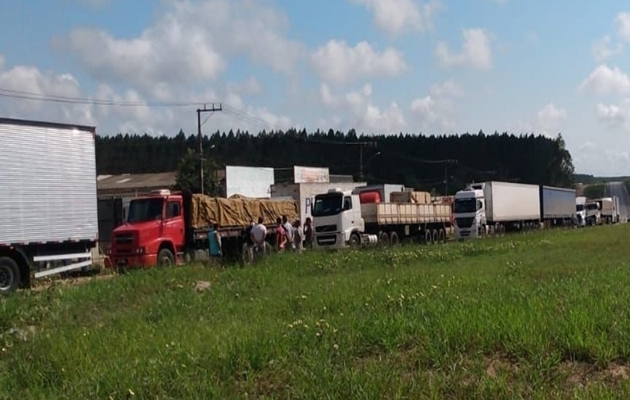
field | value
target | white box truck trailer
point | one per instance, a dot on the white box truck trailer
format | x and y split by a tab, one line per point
48	201
557	206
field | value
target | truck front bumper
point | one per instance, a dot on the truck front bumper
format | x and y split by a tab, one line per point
133	261
468	233
331	241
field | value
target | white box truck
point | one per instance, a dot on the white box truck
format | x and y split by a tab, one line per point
48	201
360	218
496	207
492	207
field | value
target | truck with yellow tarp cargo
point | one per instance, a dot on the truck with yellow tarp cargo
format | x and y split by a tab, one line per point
172	228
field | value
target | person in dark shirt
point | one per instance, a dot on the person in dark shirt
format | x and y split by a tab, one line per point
309	234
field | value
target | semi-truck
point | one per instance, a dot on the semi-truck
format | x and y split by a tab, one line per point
366	217
497	207
48	200
304	193
171	228
609	209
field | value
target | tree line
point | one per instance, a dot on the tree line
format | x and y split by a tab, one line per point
440	164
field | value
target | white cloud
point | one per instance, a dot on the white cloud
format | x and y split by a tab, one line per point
550	119
337	62
589	155
190	43
623	26
604	79
434	112
476	51
615	116
142	118
397	16
602	49
358	111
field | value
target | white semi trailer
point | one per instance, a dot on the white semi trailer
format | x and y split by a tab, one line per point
496	207
48	202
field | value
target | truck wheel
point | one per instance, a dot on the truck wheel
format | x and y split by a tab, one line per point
393	239
9	275
383	239
442	235
355	240
436	236
165	258
428	238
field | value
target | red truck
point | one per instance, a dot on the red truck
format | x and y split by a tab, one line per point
172	228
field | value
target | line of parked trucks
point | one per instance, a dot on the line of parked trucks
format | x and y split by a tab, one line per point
49	220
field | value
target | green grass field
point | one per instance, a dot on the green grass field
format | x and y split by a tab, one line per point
543	315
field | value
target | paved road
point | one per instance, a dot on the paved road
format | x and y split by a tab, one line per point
619	189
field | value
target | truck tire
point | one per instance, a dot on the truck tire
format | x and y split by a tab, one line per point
394	240
165	258
383	239
436	236
355	240
9	275
442	235
428	237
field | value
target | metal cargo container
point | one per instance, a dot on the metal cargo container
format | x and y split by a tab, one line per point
509	202
557	203
47	183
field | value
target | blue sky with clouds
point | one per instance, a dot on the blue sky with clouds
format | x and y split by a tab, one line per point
380	66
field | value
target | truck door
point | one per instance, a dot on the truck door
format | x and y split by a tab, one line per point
174	223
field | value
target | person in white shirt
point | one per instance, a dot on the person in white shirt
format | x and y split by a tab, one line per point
298	235
258	235
289	230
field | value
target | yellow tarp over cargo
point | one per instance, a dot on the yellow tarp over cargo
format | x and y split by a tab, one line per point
238	211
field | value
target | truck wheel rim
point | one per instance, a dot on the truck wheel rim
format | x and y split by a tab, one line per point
6	277
166	261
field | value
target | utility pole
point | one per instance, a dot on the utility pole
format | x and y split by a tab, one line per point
361	144
212	109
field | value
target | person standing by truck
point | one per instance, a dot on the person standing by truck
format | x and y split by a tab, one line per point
308	233
288	230
214	239
281	236
258	236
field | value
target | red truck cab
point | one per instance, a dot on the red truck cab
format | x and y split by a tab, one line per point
153	234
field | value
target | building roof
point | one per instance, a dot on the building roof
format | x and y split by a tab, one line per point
136	181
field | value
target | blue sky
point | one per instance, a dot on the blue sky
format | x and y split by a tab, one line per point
379	66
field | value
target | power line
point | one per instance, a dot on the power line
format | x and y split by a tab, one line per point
92	101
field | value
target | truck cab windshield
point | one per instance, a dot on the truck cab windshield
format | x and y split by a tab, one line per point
579	207
145	210
328	204
462	206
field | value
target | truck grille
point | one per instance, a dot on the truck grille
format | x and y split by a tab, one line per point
326	228
124	238
327	240
464	222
